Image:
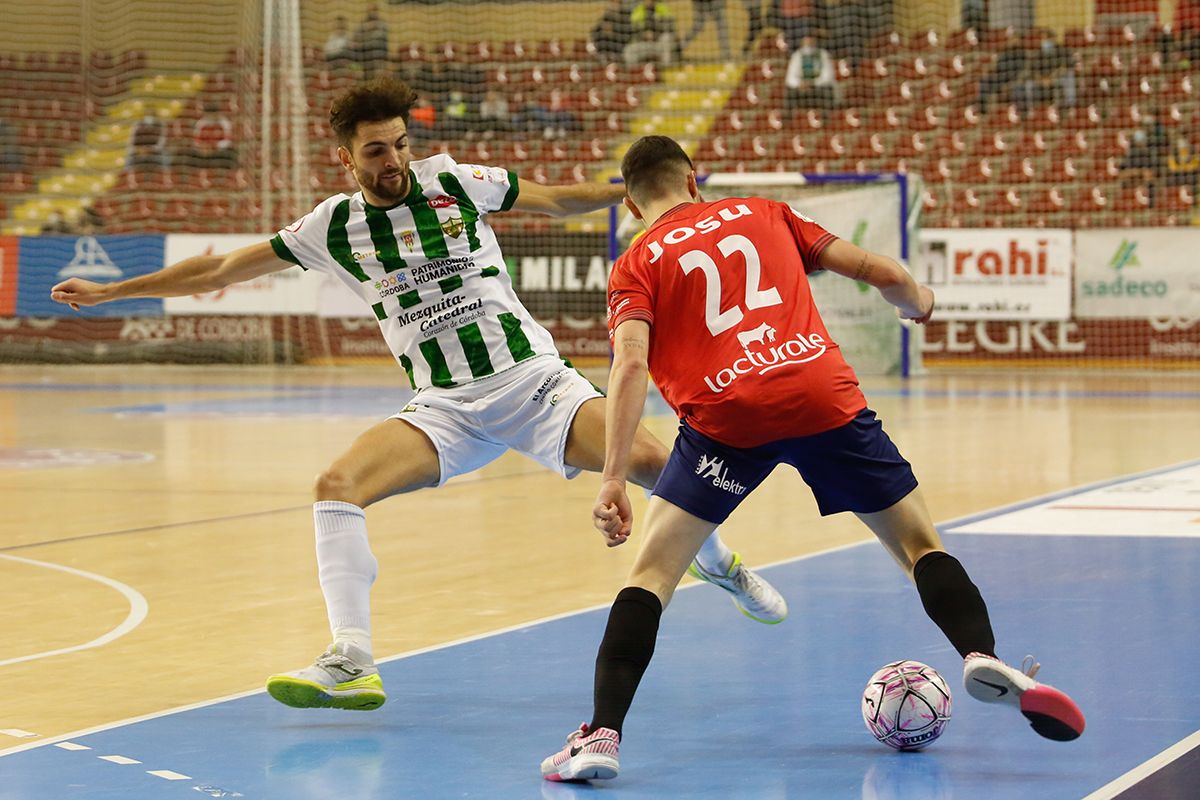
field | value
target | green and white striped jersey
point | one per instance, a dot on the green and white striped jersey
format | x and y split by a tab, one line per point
430	268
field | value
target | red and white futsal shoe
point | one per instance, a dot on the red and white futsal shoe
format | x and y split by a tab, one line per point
1050	712
588	755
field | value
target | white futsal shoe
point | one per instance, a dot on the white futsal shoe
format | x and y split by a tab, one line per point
753	596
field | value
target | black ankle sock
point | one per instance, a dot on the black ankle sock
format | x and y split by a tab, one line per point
625	653
954	603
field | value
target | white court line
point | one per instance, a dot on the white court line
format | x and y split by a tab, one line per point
566	614
169	775
119	759
1145	769
138	607
108	726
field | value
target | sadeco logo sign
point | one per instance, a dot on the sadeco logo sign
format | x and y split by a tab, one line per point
1123	285
46	260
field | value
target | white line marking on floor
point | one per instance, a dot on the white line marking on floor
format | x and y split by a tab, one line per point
18	733
1145	769
168	775
138	607
119	759
72	746
1007	507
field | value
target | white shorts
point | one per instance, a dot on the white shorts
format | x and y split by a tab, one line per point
528	408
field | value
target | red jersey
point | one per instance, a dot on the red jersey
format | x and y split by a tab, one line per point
737	347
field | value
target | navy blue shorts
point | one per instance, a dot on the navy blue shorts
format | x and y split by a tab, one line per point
852	468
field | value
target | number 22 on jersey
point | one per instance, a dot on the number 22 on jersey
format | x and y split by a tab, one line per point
719	321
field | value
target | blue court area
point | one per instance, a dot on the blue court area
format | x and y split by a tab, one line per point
728	708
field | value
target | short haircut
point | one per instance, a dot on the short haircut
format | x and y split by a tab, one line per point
374	101
654	166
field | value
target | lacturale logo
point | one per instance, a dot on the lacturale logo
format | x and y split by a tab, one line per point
1126	256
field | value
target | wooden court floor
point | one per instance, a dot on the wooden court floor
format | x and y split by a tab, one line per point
165	511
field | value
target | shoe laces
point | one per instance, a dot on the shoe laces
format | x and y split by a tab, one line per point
747	584
331	659
1030	666
580	733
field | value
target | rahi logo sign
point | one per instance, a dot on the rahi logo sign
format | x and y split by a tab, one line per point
46	260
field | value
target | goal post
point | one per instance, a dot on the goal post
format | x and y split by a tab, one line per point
875	211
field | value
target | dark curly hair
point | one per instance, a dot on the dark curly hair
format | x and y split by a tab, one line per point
374	101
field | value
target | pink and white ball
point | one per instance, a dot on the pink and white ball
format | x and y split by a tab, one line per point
906	705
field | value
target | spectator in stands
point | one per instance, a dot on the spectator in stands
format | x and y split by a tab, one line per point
212	140
974	14
795	19
1009	68
90	221
57	225
810	78
338	49
1183	163
754	25
371	42
147	144
653	27
455	115
494	114
702	12
422	118
1143	162
1187	23
551	116
1049	77
612	32
11	157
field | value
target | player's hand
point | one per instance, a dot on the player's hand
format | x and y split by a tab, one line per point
926	295
612	515
77	292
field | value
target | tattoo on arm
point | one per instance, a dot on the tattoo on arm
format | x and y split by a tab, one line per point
864	269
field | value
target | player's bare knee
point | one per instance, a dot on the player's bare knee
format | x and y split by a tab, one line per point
335	484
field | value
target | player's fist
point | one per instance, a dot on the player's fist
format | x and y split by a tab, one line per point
926	305
77	292
612	514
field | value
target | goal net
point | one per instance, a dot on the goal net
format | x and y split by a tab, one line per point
134	133
875	212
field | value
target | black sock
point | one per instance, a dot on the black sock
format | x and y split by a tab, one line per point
625	653
954	603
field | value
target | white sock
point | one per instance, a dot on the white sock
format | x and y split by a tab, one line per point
346	569
715	556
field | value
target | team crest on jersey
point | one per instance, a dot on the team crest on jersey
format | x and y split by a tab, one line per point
409	238
453	227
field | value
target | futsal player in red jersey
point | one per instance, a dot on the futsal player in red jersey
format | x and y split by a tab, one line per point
714	301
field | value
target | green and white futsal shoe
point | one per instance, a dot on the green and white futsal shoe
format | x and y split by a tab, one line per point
344	676
753	596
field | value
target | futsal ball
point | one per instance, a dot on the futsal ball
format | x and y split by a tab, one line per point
906	705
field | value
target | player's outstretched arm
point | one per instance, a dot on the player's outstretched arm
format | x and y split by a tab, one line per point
612	515
562	201
195	275
911	299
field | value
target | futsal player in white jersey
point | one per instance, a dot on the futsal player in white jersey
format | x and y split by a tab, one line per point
416	246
